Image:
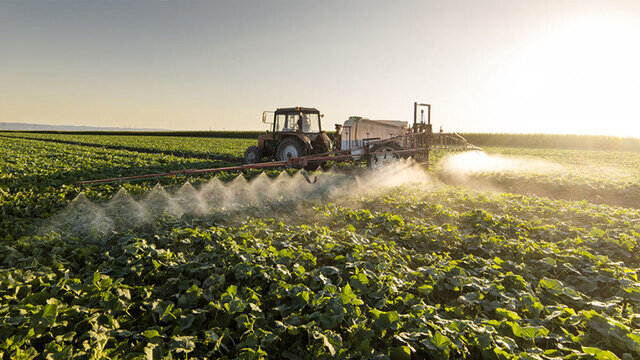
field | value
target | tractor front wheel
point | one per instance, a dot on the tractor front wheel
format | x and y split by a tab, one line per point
252	155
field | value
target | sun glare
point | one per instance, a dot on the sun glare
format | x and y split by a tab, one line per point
583	75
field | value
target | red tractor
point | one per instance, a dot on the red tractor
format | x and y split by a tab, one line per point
295	132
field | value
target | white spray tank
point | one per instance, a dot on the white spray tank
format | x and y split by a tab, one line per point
358	131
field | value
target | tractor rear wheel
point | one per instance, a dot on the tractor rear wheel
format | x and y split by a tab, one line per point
252	155
289	148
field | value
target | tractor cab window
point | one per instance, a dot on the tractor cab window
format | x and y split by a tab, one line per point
307	123
279	123
292	123
310	123
287	123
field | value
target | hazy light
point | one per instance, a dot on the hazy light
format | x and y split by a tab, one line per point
580	77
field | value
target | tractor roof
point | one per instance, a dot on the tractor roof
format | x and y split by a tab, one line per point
297	109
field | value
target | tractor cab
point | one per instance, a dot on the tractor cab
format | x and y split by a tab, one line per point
294	132
298	119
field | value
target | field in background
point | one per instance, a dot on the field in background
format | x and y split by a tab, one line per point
545	141
464	261
549	141
601	177
212	148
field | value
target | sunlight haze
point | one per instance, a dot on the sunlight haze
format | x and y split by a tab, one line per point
485	66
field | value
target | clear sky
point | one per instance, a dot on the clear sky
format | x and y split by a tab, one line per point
491	66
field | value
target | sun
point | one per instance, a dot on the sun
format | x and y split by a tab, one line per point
577	76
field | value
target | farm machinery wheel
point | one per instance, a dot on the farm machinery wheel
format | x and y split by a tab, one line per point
252	155
289	148
382	154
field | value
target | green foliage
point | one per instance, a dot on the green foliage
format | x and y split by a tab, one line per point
392	278
38	178
221	148
411	272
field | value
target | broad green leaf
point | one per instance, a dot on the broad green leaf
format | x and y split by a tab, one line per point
600	354
150	334
507	314
400	353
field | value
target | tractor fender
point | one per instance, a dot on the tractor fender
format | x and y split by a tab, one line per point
305	141
325	140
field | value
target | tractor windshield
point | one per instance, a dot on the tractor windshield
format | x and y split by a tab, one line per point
307	123
310	123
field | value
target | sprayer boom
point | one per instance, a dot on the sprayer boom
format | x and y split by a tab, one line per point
442	141
186	172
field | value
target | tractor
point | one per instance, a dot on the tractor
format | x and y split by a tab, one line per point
295	132
296	140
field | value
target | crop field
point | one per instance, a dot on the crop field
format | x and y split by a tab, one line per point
510	253
208	148
602	177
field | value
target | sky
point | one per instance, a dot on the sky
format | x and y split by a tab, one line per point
532	66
